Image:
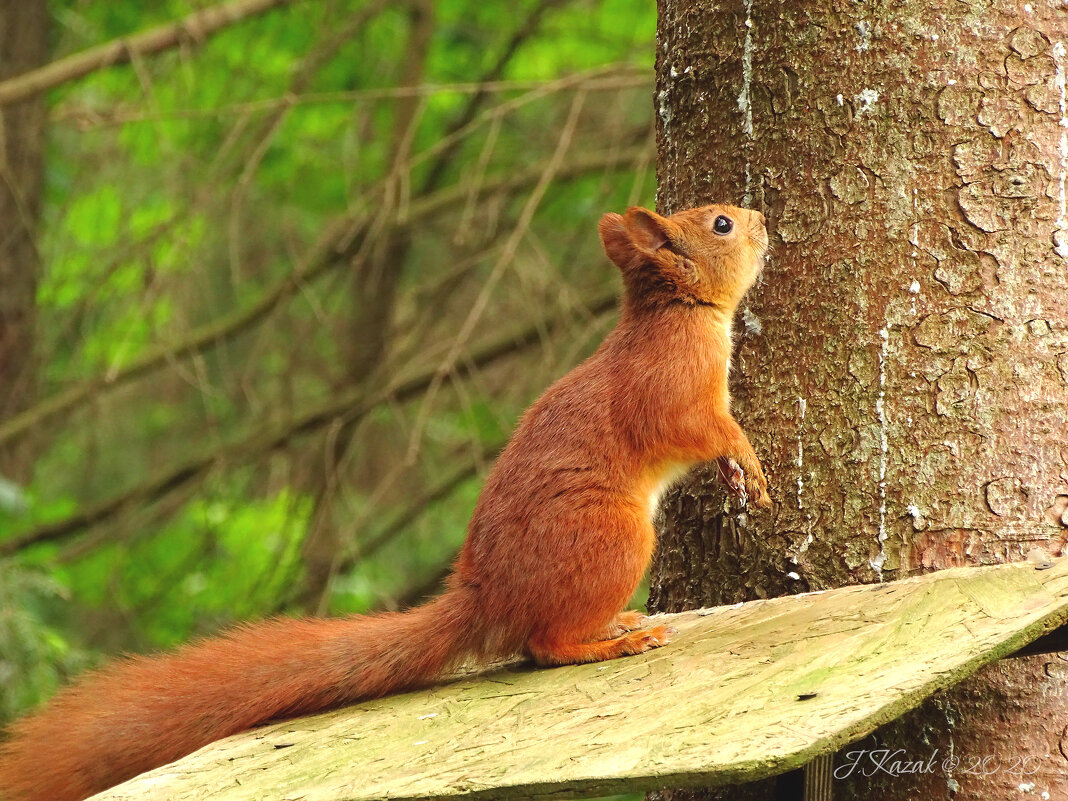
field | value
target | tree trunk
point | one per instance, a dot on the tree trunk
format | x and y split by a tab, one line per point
23	46
903	368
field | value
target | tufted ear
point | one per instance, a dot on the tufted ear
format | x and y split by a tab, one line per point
637	237
648	230
616	241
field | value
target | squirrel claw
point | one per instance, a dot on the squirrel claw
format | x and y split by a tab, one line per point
732	476
749	491
638	642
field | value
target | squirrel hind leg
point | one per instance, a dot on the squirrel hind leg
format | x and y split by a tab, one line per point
548	652
630	620
625	621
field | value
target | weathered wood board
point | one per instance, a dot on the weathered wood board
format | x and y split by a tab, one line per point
742	692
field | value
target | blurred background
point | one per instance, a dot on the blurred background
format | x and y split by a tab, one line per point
294	281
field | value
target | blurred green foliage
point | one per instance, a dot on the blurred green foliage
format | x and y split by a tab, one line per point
181	187
36	655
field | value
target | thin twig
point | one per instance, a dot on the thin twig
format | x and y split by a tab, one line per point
448	364
266	128
365	550
609	79
526	30
321	258
351	405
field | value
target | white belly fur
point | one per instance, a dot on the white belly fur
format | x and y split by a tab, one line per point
667	479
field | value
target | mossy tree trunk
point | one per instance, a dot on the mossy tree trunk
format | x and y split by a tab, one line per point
903	368
23	46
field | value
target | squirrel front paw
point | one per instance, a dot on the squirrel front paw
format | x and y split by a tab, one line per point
732	477
757	487
745	481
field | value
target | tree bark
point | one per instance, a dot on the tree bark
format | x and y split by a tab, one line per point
903	368
23	46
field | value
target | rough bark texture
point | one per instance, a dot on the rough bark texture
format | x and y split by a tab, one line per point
23	46
903	369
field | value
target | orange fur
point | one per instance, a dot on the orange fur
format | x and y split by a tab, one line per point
558	542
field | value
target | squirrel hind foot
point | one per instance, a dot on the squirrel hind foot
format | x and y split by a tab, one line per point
625	621
551	653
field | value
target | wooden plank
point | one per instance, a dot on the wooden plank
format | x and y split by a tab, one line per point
742	693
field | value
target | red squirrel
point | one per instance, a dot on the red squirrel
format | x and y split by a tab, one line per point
560	537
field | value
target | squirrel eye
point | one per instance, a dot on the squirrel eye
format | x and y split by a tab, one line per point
723	225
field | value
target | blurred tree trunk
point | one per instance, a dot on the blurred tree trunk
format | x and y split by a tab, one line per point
379	255
373	288
903	368
23	46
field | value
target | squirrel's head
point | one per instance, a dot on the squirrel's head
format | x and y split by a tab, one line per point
705	256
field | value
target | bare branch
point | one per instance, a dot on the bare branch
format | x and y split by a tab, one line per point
372	291
365	550
348	406
550	171
195	27
432	496
325	254
610	79
527	29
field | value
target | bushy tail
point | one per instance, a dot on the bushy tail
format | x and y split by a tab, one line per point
143	712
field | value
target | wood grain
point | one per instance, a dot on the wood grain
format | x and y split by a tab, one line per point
743	692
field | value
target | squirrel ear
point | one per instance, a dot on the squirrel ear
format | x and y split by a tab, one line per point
616	241
647	230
